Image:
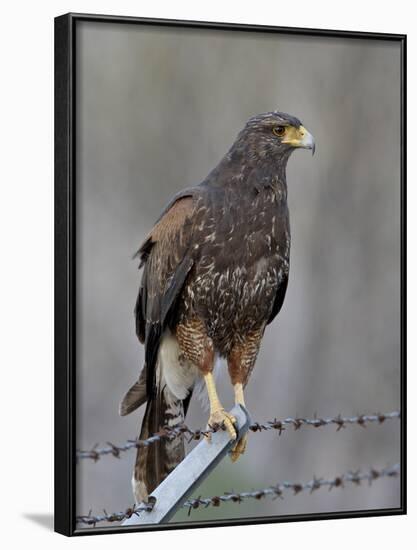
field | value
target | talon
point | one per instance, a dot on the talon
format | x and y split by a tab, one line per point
239	449
221	417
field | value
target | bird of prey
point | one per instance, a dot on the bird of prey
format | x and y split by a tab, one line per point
215	272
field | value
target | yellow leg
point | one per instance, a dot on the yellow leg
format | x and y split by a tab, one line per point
239	398
240	446
217	413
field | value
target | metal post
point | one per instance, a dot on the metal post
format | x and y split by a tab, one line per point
189	474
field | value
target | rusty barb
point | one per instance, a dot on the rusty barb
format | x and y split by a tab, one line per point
170	433
274	492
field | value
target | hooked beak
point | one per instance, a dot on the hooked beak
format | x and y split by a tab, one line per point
302	139
307	140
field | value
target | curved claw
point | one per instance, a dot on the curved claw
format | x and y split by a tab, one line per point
239	448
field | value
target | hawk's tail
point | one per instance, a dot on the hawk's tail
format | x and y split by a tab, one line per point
155	461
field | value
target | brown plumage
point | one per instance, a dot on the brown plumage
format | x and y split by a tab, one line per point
215	273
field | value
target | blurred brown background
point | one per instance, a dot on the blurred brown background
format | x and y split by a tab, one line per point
156	110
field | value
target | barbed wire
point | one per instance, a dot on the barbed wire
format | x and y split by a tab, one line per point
274	491
170	433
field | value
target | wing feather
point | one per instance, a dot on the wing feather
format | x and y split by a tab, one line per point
166	256
279	299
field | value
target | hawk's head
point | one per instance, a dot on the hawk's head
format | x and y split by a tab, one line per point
274	135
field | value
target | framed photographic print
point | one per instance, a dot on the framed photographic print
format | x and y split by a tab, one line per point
216	364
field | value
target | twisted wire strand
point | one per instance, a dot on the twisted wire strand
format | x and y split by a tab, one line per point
274	491
170	433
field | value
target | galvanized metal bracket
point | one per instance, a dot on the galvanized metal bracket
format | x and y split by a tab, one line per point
171	494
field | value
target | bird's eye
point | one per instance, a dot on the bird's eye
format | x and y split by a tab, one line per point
279	131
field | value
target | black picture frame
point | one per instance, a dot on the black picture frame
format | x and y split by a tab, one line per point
65	266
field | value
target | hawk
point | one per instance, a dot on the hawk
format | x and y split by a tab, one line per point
215	273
